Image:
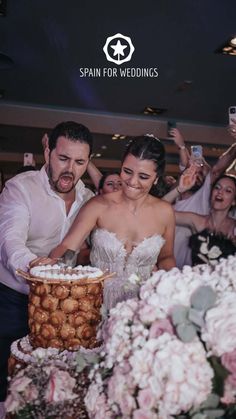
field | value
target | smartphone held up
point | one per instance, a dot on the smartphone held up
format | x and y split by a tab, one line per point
170	126
232	115
29	159
196	155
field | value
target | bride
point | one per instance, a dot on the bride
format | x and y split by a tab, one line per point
133	231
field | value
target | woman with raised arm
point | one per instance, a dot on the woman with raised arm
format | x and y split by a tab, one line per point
214	235
133	230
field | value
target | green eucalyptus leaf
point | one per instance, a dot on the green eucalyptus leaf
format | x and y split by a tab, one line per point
214	413
85	360
91	358
211	402
196	317
186	332
203	298
81	362
199	416
179	314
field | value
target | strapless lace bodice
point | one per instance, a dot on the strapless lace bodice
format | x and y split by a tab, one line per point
109	253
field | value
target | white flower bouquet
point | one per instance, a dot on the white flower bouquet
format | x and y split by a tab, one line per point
172	353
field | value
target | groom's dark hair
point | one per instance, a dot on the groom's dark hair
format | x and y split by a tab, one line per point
72	131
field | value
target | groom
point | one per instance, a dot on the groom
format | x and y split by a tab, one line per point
36	210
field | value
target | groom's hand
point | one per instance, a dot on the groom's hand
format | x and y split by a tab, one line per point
43	260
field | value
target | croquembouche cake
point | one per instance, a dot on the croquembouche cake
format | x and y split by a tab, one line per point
64	308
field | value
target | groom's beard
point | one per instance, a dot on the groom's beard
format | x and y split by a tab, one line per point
64	183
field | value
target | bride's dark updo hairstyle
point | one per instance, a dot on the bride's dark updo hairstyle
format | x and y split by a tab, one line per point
148	147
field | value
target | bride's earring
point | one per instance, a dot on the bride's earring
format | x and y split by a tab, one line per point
155	182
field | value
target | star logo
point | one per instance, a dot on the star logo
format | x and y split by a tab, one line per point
118	49
122	48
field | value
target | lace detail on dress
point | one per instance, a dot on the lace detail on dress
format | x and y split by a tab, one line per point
108	252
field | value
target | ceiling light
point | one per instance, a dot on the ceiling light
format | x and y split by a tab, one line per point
98	155
149	110
233	41
229	47
118	137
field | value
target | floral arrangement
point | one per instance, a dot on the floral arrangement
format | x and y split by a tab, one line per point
172	353
53	385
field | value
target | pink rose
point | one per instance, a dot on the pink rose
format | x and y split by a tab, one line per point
159	327
229	361
60	386
146	399
229	393
232	380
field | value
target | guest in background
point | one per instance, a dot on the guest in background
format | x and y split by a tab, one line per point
213	235
197	200
109	182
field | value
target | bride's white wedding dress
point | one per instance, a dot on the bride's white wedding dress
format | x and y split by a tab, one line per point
109	253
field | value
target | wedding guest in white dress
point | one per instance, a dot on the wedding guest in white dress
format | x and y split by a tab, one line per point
133	230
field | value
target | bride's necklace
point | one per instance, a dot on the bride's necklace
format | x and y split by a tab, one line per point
134	211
